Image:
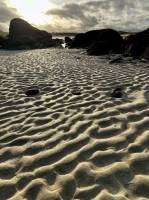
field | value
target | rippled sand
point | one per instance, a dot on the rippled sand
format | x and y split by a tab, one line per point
73	140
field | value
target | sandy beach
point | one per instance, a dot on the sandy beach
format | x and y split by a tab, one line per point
73	141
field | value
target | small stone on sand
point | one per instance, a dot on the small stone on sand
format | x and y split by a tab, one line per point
117	93
32	92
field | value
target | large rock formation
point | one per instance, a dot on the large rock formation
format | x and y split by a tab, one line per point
110	37
22	35
3	41
99	48
145	55
136	44
18	28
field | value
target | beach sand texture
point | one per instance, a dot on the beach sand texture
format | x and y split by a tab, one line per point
73	140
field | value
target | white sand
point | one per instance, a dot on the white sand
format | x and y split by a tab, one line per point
59	145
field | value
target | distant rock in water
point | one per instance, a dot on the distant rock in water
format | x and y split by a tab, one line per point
32	92
68	41
136	45
99	42
22	35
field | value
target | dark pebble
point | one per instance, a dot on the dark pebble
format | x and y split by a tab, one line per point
78	58
32	92
76	92
117	93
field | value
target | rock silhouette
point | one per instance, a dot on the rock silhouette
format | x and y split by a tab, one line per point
96	39
99	48
68	41
136	44
2	40
22	35
19	27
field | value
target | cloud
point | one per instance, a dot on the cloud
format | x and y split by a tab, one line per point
6	14
119	14
75	12
84	15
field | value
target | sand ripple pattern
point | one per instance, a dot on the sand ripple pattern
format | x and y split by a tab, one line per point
63	146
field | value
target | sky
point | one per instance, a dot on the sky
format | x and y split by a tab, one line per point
77	16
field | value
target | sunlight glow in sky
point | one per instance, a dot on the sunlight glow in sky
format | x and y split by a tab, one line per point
33	11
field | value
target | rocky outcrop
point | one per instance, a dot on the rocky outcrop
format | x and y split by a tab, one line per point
99	48
145	55
18	27
68	41
1	41
96	39
79	41
22	35
136	44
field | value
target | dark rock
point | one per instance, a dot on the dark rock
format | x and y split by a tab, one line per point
68	41
136	44
32	92
117	93
78	41
24	42
18	27
57	42
99	48
111	37
2	41
22	35
116	60
76	92
145	55
78	58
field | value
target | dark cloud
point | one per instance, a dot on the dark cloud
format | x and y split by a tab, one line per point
75	12
6	13
119	14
